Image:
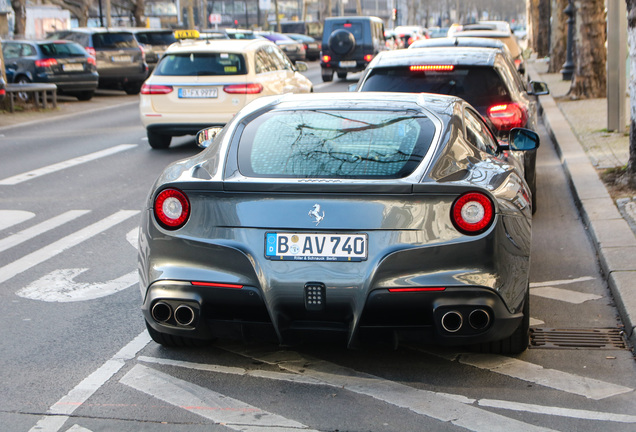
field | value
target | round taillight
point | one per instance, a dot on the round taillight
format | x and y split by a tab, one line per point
472	213
172	209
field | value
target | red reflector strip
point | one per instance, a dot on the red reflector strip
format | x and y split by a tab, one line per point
216	285
419	289
425	68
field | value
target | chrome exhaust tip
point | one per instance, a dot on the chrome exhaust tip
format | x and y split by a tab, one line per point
184	315
452	321
161	312
479	319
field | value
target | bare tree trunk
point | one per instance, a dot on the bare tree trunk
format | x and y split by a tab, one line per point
19	9
542	47
631	34
138	13
532	12
589	80
558	36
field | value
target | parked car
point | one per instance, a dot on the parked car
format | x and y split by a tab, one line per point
201	83
311	45
154	42
241	34
121	62
438	32
349	44
63	63
507	38
376	214
294	49
410	34
484	77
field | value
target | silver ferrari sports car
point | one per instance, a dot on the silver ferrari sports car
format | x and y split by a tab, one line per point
370	215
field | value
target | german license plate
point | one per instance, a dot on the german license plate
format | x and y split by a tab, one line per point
316	247
348	63
122	59
210	92
73	67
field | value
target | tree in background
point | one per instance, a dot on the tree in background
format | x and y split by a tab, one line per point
19	11
78	8
630	177
558	36
589	78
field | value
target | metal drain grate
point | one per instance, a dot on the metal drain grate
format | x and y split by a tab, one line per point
608	338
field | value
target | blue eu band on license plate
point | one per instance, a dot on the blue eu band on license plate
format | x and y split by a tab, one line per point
316	247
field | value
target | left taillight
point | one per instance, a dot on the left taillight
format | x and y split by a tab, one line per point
150	89
507	116
46	63
252	88
172	209
472	213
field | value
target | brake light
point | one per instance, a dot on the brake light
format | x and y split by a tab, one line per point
416	289
326	59
150	89
434	68
172	209
3	92
251	88
91	51
45	63
216	285
472	213
410	41
517	62
368	57
305	46
91	60
143	52
507	116
347	25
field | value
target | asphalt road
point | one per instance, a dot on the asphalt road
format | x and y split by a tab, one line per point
75	356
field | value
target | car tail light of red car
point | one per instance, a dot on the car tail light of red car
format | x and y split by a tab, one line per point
507	116
150	89
472	213
172	209
252	88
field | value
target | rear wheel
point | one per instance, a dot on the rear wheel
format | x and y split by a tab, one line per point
169	340
132	88
342	75
517	342
327	75
158	141
85	95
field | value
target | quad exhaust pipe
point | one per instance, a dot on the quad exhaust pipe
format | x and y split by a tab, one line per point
453	321
183	314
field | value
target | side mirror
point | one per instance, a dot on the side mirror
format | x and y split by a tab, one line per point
205	136
538	88
301	66
523	140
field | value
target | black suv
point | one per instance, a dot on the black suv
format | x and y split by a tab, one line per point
121	62
349	44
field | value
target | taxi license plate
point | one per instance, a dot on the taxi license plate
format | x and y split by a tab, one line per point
316	247
73	67
348	63
197	93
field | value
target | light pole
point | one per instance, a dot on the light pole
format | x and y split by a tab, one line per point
568	66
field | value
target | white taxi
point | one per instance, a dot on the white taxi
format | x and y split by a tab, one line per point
202	83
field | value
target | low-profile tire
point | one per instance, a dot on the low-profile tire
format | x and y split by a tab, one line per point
85	95
158	141
172	341
132	88
518	341
327	76
342	75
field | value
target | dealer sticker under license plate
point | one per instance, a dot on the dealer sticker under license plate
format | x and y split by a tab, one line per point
316	247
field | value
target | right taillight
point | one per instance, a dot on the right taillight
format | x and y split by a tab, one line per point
149	89
91	51
172	209
252	88
472	213
507	116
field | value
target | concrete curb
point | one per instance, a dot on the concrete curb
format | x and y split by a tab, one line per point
611	235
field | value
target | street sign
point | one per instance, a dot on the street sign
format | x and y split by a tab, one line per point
215	19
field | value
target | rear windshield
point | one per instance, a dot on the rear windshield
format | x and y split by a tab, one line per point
479	86
156	38
202	64
354	28
114	40
335	144
62	50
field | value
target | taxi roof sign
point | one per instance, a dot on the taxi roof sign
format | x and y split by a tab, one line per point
186	34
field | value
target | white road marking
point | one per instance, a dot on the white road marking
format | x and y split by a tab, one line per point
563	381
232	413
132	237
47	252
16	179
560	282
556	411
78	428
9	218
59	286
430	404
60	412
40	228
560	294
536	322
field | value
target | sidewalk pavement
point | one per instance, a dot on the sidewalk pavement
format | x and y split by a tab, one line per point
579	131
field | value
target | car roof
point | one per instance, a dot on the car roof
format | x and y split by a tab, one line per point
354	18
483	33
460	56
99	30
458	41
216	45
